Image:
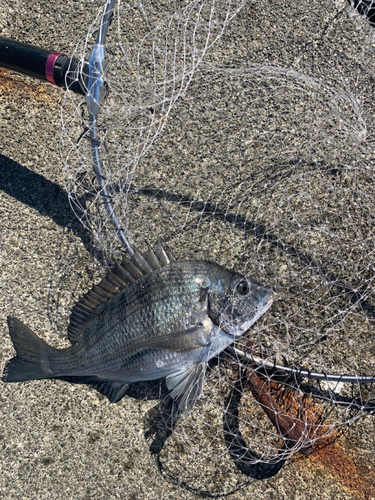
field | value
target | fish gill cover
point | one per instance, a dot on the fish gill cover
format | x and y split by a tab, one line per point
257	155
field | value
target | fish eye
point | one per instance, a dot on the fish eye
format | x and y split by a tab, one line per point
243	287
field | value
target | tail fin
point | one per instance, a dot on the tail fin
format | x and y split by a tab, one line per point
31	361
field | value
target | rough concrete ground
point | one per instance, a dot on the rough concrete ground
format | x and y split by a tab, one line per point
62	441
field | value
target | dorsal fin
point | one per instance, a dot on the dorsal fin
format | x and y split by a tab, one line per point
115	280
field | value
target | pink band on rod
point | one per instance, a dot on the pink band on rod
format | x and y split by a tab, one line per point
50	63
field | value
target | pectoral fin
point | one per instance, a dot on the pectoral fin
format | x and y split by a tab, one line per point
192	338
187	383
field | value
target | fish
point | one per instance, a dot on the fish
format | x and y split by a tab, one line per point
150	317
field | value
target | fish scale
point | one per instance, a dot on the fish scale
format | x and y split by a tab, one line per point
149	318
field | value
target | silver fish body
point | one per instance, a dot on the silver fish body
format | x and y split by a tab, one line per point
167	323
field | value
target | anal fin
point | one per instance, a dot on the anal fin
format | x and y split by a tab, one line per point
111	390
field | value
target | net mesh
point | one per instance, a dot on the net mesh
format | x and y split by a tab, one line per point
148	69
255	153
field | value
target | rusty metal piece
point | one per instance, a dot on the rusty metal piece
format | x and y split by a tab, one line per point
291	429
295	416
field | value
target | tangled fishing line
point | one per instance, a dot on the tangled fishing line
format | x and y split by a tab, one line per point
256	153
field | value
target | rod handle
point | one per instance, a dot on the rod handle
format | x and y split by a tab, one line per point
53	67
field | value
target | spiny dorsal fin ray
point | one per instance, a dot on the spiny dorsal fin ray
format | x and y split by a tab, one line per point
115	280
132	269
139	262
152	259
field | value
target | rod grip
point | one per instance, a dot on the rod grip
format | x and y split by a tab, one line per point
54	67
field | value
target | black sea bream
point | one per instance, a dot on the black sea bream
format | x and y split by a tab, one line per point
150	317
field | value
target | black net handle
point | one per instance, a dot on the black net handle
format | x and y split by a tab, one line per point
53	67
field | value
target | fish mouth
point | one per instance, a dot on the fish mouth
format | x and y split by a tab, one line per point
269	303
262	310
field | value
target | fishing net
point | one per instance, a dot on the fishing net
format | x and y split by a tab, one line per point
242	133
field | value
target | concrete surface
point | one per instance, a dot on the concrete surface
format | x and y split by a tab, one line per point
64	441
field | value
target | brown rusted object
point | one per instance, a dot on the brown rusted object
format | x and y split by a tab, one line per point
297	429
291	429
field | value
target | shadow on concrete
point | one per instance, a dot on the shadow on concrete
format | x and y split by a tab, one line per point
42	195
